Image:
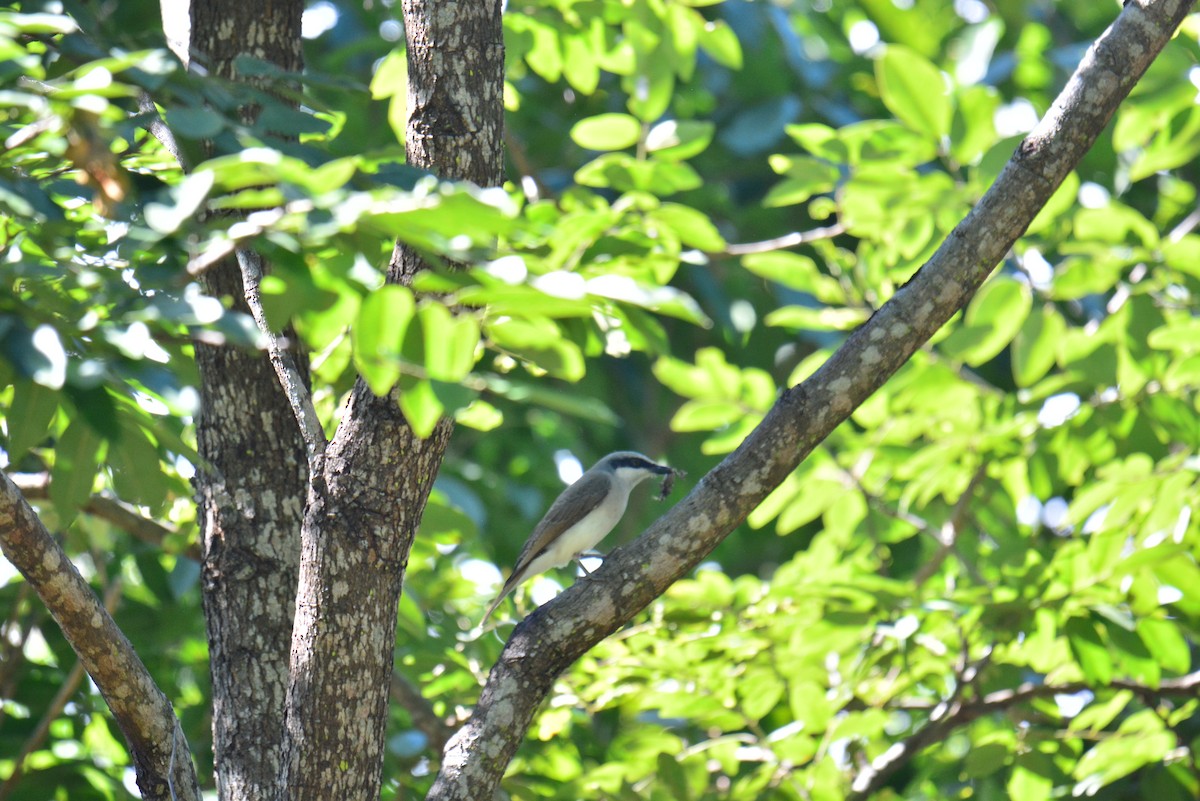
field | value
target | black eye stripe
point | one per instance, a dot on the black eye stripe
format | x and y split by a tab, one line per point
635	463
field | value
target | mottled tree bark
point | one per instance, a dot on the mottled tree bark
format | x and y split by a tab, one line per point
252	487
368	499
552	638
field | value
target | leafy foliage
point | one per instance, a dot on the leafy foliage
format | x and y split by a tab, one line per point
1000	547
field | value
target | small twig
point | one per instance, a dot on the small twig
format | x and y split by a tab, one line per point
159	129
794	239
531	185
1185	227
947	537
36	487
436	730
293	384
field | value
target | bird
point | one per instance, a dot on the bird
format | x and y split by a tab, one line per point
580	517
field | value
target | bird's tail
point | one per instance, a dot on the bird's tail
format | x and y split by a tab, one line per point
496	603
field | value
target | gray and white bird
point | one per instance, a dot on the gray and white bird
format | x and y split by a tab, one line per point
580	517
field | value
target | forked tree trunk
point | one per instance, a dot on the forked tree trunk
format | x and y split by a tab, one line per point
333	547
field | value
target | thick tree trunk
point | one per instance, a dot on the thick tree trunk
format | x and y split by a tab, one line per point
367	502
252	486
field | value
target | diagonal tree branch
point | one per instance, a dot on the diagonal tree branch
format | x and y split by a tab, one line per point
156	742
548	641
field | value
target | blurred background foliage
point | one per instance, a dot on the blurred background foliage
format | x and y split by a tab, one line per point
992	565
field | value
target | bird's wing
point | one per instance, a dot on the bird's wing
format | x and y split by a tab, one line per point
572	506
568	509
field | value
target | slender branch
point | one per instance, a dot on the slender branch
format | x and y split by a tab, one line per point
293	384
531	185
794	239
1185	227
959	713
138	705
36	487
424	719
159	129
553	637
947	537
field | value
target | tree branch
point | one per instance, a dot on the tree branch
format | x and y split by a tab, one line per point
549	640
156	742
36	487
947	536
794	239
295	388
958	713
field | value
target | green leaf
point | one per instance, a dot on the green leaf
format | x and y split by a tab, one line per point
195	123
607	132
1032	777
450	342
1035	347
421	406
691	226
1078	277
38	354
671	774
581	66
796	271
705	415
805	318
651	91
378	336
759	691
76	457
391	75
720	42
659	299
539	341
624	173
677	140
1090	651
1166	642
973	130
914	90
136	473
570	403
992	319
479	415
1175	144
820	141
29	417
985	758
1116	223
805	177
39	24
1099	714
